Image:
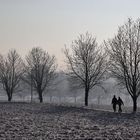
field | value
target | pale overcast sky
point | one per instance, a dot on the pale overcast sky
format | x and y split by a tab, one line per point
52	23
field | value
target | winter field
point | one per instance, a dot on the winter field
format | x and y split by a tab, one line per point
25	121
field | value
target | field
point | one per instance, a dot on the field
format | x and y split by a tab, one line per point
25	121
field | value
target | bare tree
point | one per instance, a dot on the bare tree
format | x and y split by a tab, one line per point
40	70
86	63
124	50
11	71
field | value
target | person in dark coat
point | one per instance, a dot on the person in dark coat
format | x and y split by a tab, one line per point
120	103
114	103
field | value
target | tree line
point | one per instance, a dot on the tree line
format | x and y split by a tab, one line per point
38	71
88	64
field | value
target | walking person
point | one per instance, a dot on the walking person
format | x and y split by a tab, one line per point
114	103
120	103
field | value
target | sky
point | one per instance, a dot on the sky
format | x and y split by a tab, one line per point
51	24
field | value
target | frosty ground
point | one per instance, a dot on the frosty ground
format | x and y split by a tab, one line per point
25	121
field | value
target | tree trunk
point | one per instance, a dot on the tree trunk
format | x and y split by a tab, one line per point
134	104
40	97
9	95
86	96
9	98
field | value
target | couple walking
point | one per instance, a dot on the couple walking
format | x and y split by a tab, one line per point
118	102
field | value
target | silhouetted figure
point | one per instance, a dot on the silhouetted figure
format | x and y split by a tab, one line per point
114	103
120	102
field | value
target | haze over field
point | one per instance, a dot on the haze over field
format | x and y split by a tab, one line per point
70	69
52	23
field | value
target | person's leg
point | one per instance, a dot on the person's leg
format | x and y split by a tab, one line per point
114	107
120	110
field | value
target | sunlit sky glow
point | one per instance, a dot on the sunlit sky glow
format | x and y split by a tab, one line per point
52	23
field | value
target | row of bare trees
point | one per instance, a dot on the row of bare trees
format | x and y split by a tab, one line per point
88	64
120	58
38	71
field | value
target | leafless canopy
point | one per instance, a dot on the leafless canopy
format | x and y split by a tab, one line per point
11	71
124	50
40	69
86	63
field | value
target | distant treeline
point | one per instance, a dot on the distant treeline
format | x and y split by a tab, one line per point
88	64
